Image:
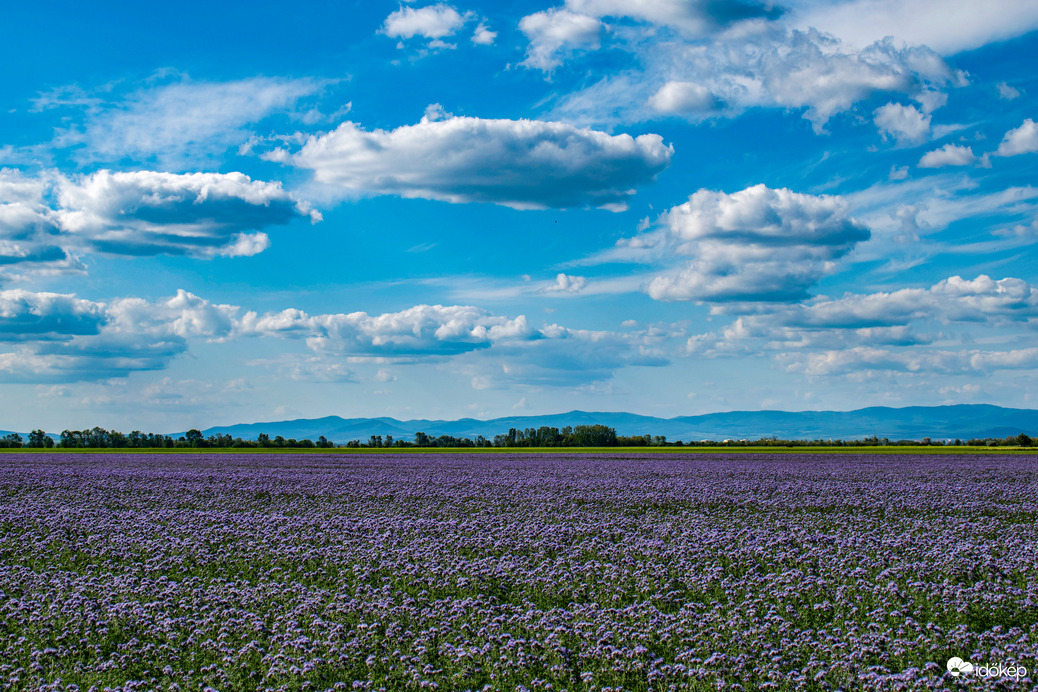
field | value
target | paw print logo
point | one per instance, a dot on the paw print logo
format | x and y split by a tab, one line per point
956	666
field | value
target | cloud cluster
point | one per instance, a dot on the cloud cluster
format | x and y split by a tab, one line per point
423	330
524	164
555	33
433	24
559	32
51	337
150	213
46	222
688	67
61	338
29	232
854	332
758	244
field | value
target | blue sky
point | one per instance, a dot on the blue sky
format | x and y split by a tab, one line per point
213	214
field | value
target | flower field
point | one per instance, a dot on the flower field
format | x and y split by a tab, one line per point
513	572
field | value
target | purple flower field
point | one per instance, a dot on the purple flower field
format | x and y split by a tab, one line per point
515	572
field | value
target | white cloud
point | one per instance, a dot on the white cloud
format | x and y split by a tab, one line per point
1007	92
768	67
555	32
906	218
29	233
423	330
876	319
1022	140
149	213
491	349
948	26
524	164
183	123
950	155
759	244
693	18
565	283
904	123
18	188
682	97
50	337
483	36
61	338
26	315
431	22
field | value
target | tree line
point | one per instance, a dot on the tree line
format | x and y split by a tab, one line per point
544	436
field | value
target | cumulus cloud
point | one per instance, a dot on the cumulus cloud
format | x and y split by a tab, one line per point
423	330
150	213
51	337
28	236
29	232
555	32
904	123
185	122
433	23
483	36
565	283
1022	140
759	244
524	164
876	319
951	155
62	338
26	315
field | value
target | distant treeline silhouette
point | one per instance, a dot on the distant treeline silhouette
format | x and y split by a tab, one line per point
575	436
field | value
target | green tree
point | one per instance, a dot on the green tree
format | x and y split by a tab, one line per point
39	439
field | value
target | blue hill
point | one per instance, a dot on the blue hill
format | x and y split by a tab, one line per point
915	422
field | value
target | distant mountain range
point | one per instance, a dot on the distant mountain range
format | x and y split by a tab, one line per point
911	423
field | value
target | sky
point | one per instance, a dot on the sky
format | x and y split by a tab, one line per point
214	213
